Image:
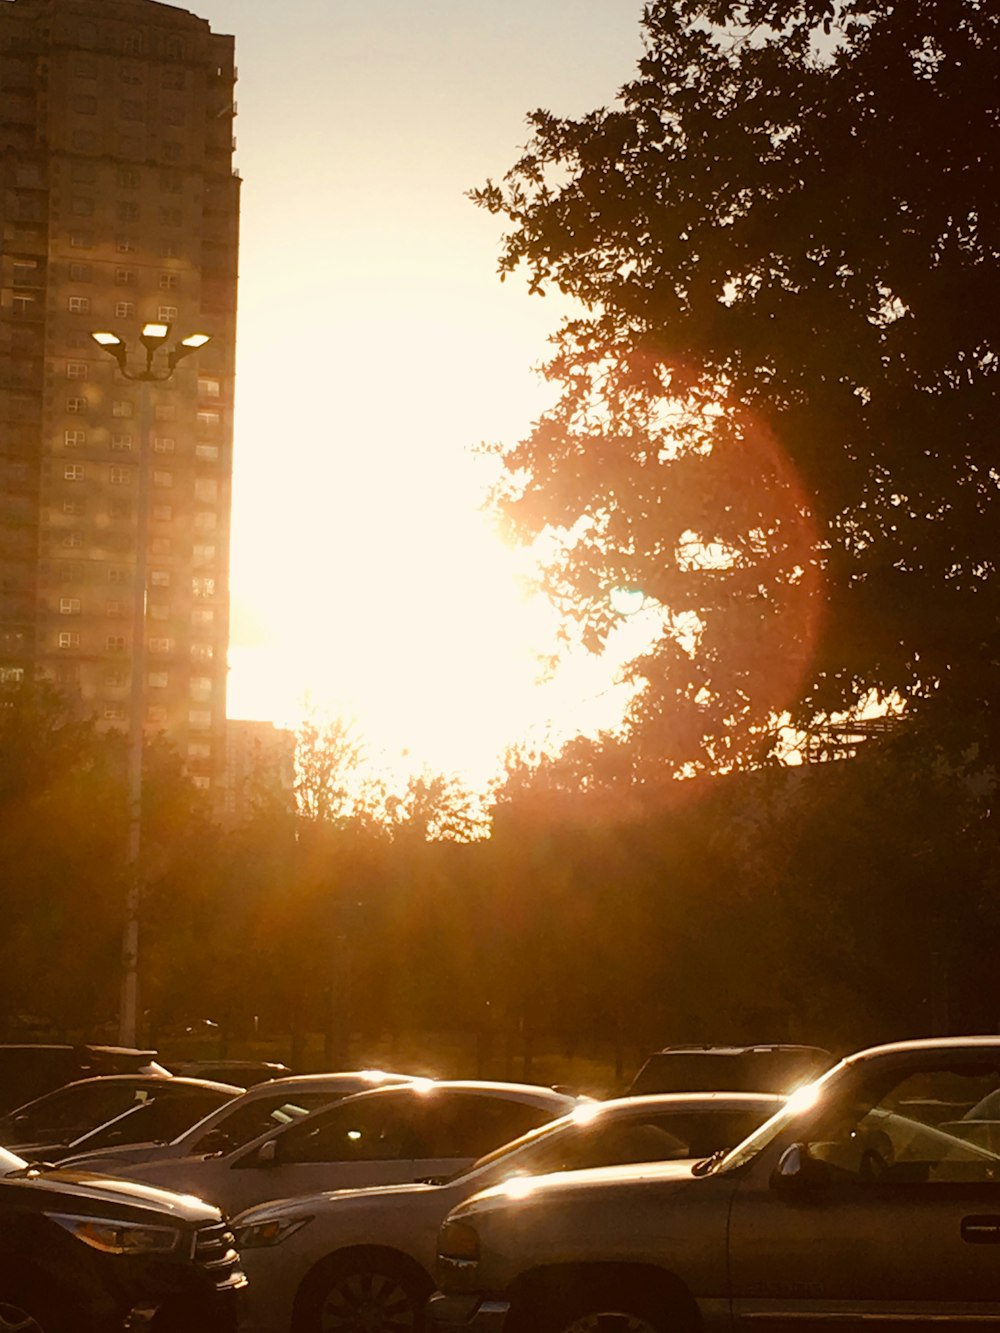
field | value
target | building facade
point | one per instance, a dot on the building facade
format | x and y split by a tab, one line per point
118	205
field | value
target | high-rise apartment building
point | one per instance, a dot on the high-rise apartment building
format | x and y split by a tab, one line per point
118	205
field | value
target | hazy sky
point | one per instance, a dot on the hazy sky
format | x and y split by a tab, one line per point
376	343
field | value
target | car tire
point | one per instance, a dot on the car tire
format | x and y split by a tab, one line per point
26	1313
362	1294
607	1311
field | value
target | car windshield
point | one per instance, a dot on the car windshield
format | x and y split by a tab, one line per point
10	1162
802	1100
516	1154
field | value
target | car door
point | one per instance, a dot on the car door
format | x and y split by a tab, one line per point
454	1128
353	1144
881	1217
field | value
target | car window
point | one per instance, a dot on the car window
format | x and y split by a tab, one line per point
157	1120
462	1124
907	1133
249	1121
373	1130
72	1107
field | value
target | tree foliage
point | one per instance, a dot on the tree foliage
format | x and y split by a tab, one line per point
777	408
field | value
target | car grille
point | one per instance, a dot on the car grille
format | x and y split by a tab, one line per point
215	1252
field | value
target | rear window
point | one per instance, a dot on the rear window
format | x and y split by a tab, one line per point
743	1071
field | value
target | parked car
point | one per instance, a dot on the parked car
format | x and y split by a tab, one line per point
29	1070
758	1068
61	1117
382	1137
248	1073
845	1206
336	1260
264	1107
84	1253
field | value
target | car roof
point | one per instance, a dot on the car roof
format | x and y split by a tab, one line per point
694	1101
985	1044
175	1082
367	1079
755	1048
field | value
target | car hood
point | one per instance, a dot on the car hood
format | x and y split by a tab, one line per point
593	1184
367	1195
87	1186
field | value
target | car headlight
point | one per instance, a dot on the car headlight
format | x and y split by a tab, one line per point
458	1243
113	1237
268	1231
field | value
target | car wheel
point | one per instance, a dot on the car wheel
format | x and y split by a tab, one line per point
366	1296
607	1312
18	1317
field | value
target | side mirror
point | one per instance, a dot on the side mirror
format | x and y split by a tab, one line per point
267	1154
797	1171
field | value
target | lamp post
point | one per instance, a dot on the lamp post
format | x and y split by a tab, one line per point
152	337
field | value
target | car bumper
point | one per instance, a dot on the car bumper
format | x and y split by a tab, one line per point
273	1278
447	1313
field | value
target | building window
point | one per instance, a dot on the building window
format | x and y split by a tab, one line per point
205	521
163	444
128	178
199	750
128	212
201	688
85	68
202	617
73	439
171	217
69	606
173	79
73	472
79	305
206	489
166	314
74	406
159	611
173	115
209	388
121	509
25	273
207	453
85	141
157	680
82	208
125	310
163	479
22	305
118	575
160	578
116	680
120	476
76	370
122	443
74	508
201	782
203	587
125	246
172	151
130	74
117	610
69	639
165	412
161	645
114	713
81	240
115	643
86	35
132	45
122	407
209	418
174	49
202	652
169	281
125	277
85	104
160	546
130	109
163	513
199	719
203	555
171	183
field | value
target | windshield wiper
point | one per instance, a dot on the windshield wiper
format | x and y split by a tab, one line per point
30	1168
708	1164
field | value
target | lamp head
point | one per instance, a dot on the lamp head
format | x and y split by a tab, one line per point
111	343
186	346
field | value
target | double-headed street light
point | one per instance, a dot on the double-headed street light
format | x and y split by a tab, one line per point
153	337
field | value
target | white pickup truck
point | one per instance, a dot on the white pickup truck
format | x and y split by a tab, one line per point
869	1201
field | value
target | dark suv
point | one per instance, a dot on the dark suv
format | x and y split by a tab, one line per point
81	1253
29	1070
760	1068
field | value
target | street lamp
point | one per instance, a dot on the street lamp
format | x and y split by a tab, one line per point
152	338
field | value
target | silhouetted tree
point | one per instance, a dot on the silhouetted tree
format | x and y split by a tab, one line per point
778	405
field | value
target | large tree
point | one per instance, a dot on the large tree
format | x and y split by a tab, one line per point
777	407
